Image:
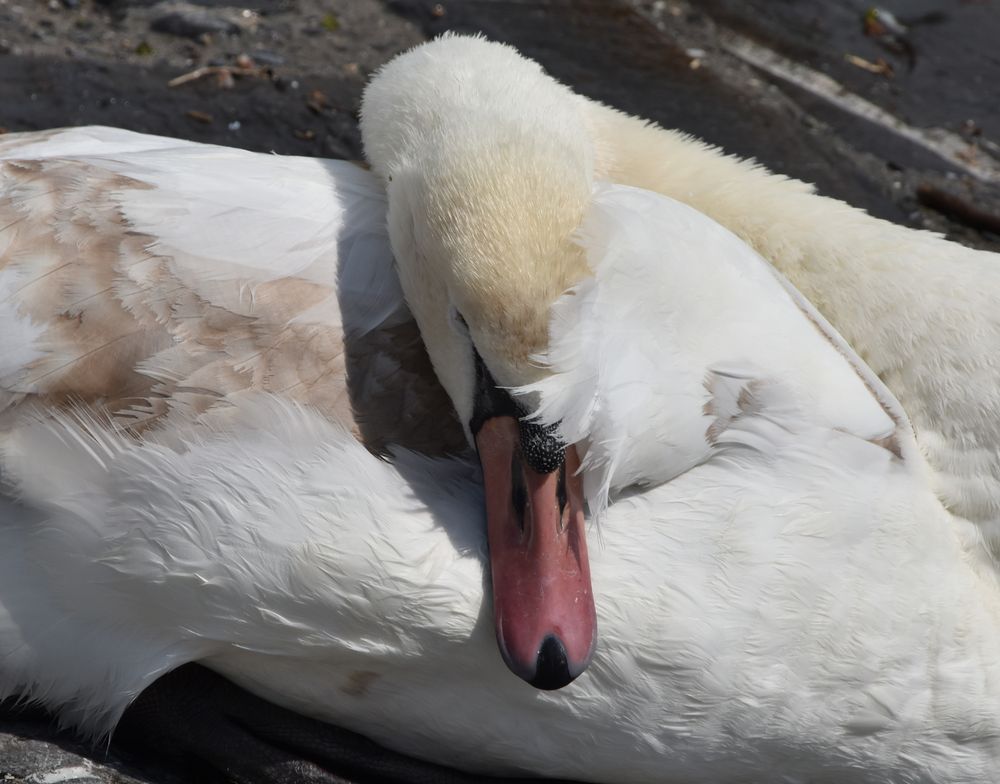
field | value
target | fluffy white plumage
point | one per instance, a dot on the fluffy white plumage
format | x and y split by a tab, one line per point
610	395
917	309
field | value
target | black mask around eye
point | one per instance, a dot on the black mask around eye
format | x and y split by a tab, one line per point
488	399
541	446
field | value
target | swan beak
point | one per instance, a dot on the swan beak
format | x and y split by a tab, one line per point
543	603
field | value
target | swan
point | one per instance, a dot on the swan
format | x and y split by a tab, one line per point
455	257
796	599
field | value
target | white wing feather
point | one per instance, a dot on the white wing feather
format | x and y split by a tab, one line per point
153	277
645	407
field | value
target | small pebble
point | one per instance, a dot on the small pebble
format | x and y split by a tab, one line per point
187	21
266	57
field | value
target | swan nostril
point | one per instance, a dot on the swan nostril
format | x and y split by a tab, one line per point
552	669
561	495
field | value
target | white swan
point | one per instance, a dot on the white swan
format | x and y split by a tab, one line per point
474	228
768	609
839	673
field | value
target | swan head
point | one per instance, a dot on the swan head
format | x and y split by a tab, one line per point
489	174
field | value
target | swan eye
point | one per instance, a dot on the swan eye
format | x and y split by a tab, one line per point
457	321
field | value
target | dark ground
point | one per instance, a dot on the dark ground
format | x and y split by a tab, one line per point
909	129
72	62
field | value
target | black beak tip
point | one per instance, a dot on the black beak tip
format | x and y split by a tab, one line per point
552	670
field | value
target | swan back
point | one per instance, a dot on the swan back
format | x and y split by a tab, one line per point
154	279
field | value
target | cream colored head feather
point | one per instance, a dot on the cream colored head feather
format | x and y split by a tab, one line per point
489	172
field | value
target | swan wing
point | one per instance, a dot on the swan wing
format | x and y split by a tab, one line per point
732	336
153	279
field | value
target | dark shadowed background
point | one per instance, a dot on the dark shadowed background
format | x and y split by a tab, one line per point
894	108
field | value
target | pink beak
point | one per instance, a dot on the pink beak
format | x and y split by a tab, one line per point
543	603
